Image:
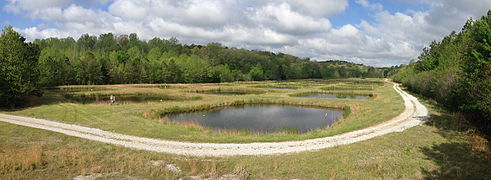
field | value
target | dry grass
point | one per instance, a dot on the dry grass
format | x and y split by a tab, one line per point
229	91
14	159
186	124
479	144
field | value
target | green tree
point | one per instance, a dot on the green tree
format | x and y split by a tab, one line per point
88	69
86	42
194	68
106	42
18	68
257	73
221	73
476	77
122	41
174	70
54	68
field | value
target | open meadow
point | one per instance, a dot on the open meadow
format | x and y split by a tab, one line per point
139	108
441	148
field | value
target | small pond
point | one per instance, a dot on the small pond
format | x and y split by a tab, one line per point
120	99
262	118
335	96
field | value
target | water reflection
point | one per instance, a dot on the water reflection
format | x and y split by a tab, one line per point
263	118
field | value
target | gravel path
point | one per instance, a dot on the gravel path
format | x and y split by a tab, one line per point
413	115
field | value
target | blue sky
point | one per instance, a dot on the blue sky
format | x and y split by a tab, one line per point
373	32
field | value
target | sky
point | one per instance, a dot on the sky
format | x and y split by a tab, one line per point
372	32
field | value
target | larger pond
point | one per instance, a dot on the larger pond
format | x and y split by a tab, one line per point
262	118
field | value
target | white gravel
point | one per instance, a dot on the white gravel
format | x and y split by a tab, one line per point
413	115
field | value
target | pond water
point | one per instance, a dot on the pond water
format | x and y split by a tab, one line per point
262	118
334	96
120	99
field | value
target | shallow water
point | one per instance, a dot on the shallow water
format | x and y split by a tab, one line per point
262	118
334	96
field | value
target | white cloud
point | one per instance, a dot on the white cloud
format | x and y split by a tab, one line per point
203	13
130	9
282	19
318	8
17	6
372	6
417	29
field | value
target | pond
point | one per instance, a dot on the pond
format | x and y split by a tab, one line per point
262	118
120	99
335	96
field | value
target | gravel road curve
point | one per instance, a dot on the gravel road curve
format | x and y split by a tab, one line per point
414	114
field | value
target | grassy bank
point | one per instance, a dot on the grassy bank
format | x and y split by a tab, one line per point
443	148
139	118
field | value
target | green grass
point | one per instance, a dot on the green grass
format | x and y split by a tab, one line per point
228	91
279	86
441	149
141	119
343	93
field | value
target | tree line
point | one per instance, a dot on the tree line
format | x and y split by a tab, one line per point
122	59
457	72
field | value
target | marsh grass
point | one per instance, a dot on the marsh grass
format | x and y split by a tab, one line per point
88	98
187	124
346	111
341	94
160	86
358	81
330	88
78	88
228	91
287	131
279	86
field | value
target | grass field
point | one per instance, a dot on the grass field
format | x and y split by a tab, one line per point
142	118
443	148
